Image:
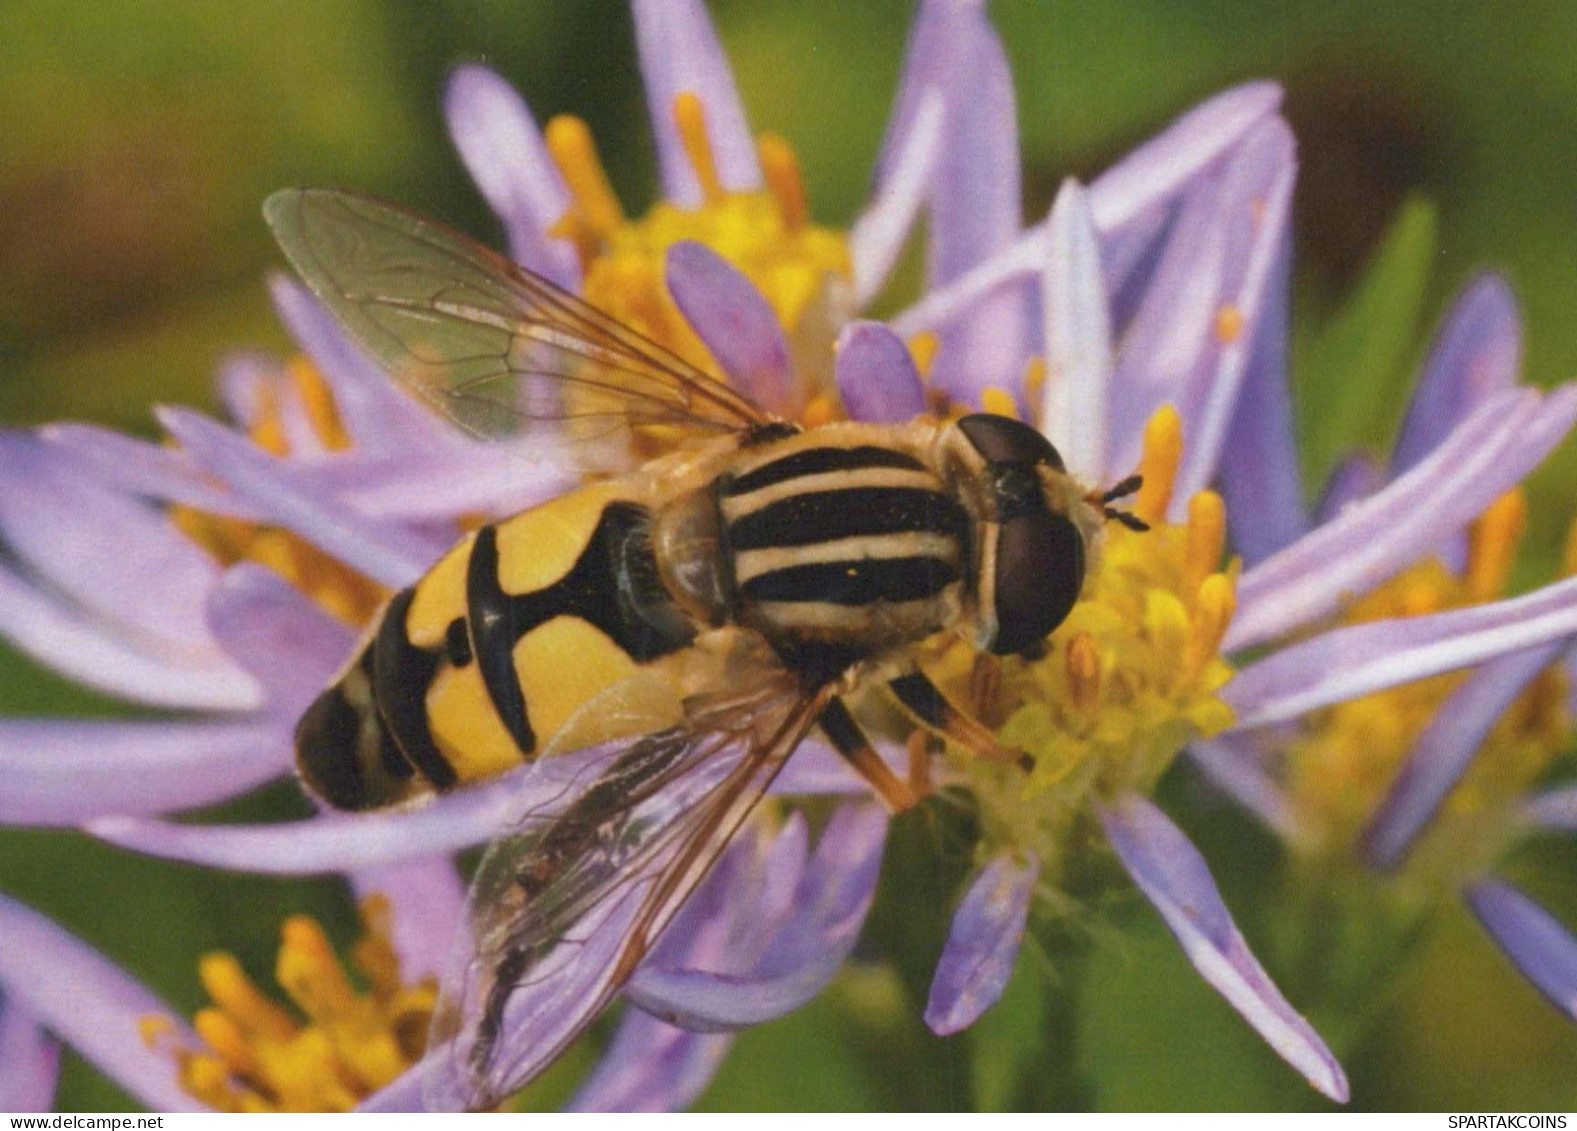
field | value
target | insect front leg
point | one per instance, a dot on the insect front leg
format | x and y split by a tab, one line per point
934	711
850	741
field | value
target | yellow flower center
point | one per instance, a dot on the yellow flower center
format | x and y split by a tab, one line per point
1128	680
1346	757
802	270
339	1044
335	587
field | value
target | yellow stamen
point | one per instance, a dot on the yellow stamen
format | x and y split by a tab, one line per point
310	973
570	143
1084	673
821	410
373	953
1229	324
923	347
690	118
1492	544
1161	456
1035	387
780	167
1212	613
322	412
999	401
1207	537
220	1032
227	984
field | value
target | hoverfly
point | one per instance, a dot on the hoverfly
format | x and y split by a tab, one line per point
695	617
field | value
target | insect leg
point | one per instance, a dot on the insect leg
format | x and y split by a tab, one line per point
921	698
849	740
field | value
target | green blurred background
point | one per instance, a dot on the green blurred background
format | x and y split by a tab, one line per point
139	137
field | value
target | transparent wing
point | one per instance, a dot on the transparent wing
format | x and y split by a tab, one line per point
562	911
490	345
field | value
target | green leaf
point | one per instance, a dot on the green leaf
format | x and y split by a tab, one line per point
1353	377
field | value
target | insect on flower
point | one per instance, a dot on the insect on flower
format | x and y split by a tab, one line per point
695	616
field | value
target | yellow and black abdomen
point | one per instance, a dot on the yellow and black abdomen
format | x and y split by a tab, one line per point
474	667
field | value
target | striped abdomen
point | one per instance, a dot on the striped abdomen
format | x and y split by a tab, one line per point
474	667
841	551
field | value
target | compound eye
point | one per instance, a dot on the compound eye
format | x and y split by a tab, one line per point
1000	439
1040	570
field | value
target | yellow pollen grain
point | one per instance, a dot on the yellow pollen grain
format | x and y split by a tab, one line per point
999	401
821	410
1207	537
923	347
309	971
1084	673
690	118
570	143
1229	324
1493	539
1158	463
227	984
780	167
1212	614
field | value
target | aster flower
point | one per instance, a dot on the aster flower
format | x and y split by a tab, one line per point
1428	785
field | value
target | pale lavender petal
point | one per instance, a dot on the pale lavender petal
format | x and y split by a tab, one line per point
831	902
1160	167
1478	351
92	1005
104	551
1540	946
1347	663
244	382
1500	443
680	52
376	412
498	140
1552	809
341	842
876	375
651	1066
982	944
1258	474
735	322
1078	336
1356	477
29	1061
818	769
1443	752
1237	769
940	307
878	235
155	471
1176	880
387	554
68	772
98	656
278	634
426	910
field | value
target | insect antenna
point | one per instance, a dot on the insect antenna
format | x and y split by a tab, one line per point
1121	491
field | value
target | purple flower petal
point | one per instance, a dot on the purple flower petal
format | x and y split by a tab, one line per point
426	911
735	322
982	944
1443	752
65	773
1491	451
1552	809
1346	663
1160	167
388	555
1259	475
90	1004
137	467
1478	351
291	645
831	902
100	656
29	1062
1541	947
818	769
1175	879
876	375
1356	477
679	53
878	235
1078	336
498	140
1237	770
651	1066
